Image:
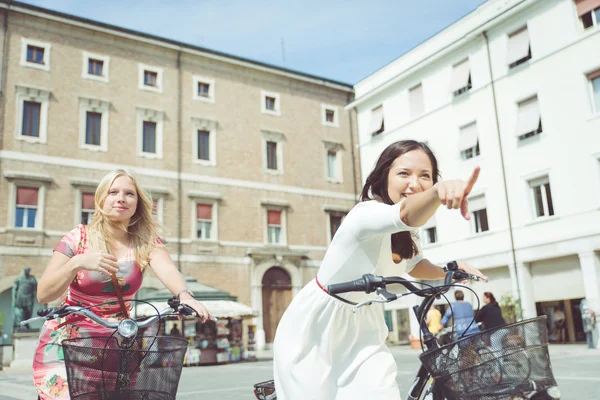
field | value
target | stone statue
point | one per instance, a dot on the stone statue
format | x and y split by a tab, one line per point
24	292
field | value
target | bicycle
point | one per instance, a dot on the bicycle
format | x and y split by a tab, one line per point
123	366
470	367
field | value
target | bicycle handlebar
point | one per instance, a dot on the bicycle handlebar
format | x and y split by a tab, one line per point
56	312
369	283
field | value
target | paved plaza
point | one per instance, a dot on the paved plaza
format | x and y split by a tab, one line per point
575	367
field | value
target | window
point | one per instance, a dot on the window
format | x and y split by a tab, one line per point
377	124
92	128
155	209
417	101
31	118
333	162
542	197
204	139
271	155
529	121
26	207
95	67
273	151
204	89
461	78
429	231
204	208
32	114
270	103
203	145
150	136
274	227
519	48
93	124
588	12
35	54
204	219
478	208
329	116
87	208
594	79
150	78
430	235
481	221
469	141
335	221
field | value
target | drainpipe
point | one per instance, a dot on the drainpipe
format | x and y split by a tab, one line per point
510	226
352	150
179	162
4	48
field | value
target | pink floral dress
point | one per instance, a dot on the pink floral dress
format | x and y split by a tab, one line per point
88	288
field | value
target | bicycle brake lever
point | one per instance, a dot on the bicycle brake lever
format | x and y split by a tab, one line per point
184	309
367	303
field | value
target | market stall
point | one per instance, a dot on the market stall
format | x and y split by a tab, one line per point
227	338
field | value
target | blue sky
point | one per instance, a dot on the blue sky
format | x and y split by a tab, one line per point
344	40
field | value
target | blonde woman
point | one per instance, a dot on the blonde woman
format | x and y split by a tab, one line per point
123	240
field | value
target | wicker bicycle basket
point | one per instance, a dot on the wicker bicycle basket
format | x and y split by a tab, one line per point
493	364
152	368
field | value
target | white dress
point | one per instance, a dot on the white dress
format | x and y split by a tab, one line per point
322	349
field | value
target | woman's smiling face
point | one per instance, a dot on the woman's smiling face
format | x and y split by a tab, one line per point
410	173
121	201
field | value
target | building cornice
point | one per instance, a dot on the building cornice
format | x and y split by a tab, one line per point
440	52
171	44
158	173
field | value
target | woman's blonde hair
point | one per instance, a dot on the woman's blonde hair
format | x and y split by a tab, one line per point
143	229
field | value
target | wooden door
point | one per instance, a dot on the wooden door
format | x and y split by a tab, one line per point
276	296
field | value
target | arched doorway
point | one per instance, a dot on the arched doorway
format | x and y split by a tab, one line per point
276	296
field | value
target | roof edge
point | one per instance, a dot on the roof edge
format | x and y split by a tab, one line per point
174	44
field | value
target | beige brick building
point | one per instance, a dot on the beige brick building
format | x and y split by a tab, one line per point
250	165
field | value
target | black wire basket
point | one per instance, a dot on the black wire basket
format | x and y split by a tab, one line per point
98	369
265	390
494	364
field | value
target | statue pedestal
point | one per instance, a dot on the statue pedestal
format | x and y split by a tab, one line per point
24	345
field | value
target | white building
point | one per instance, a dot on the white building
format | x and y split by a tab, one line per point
513	87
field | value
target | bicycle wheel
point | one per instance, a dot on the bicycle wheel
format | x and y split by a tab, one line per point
431	391
516	367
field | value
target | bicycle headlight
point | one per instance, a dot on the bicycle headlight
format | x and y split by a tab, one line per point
553	392
128	328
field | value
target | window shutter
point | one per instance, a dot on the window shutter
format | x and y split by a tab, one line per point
460	76
468	137
518	46
529	117
204	211
273	217
584	6
27	196
376	120
87	201
477	203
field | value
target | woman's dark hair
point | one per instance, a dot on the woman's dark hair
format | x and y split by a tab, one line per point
377	184
490	296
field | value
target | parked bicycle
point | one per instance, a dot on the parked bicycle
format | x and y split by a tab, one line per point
123	366
508	362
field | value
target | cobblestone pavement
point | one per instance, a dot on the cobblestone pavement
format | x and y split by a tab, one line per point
575	368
